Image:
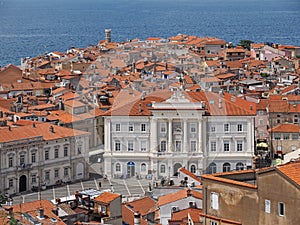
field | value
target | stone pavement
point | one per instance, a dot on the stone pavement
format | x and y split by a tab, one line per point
130	188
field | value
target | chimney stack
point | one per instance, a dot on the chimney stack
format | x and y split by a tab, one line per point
137	218
41	213
140	108
51	128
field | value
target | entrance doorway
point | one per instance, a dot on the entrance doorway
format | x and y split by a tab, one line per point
130	169
177	166
23	183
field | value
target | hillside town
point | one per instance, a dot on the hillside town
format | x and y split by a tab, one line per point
208	131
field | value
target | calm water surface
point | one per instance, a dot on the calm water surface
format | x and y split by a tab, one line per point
33	27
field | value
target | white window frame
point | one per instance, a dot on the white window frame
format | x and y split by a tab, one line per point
193	128
143	146
239	146
226	146
240	127
267	206
117	146
193	146
213	146
281	207
226	127
131	127
130	146
214	200
118	127
163	147
143	127
163	128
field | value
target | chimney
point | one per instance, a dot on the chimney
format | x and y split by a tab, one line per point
41	213
9	128
220	103
1	114
140	107
137	218
51	129
33	125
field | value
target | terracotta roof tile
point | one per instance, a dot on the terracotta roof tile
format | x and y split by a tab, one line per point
40	130
173	197
291	170
106	197
285	128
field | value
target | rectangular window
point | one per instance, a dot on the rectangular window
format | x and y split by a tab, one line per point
226	146
295	136
79	149
261	122
47	175
213	129
239	146
193	146
22	159
277	136
130	128
214	198
65	151
10	183
163	146
10	162
267	206
33	157
193	128
226	127
178	146
47	155
117	146
130	146
240	127
66	171
56	173
33	178
56	153
213	146
281	209
118	127
163	128
143	127
143	146
286	136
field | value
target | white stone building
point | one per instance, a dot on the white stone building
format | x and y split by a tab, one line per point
41	154
157	134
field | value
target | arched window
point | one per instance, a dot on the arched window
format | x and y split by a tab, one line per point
226	167
118	167
162	168
193	168
239	166
143	167
212	168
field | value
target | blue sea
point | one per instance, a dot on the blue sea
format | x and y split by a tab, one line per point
34	27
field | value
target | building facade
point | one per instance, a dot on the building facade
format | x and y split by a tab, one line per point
41	155
160	133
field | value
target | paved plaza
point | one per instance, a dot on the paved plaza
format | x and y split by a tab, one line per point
129	188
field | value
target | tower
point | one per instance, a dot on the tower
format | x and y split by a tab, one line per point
108	35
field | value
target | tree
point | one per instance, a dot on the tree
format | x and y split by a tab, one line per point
245	43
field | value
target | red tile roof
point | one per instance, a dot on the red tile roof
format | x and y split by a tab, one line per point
106	197
31	209
40	130
173	197
285	128
291	170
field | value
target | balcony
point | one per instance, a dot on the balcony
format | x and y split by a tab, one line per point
24	166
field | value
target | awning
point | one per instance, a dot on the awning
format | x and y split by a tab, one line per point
262	145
